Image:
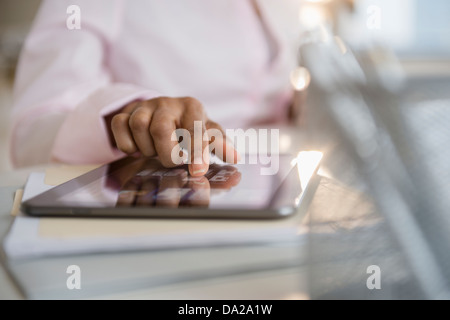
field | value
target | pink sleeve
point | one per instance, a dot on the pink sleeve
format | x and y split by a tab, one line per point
83	137
64	87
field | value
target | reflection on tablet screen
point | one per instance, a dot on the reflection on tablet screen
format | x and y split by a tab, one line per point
144	182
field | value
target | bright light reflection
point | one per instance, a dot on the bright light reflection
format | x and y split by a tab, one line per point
312	15
300	78
307	164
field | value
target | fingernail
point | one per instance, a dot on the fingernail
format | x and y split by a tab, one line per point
199	171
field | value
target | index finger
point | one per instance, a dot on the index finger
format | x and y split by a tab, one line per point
194	120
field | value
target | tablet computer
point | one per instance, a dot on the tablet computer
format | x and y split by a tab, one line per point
142	187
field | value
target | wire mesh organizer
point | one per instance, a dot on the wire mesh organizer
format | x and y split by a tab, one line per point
393	149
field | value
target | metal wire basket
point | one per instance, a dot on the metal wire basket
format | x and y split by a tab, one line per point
399	149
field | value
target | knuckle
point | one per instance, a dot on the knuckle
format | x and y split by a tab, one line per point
139	122
190	100
161	129
143	106
164	102
118	121
192	104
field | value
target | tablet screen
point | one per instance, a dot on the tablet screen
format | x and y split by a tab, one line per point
144	183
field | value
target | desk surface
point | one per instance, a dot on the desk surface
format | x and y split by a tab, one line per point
337	209
284	283
242	282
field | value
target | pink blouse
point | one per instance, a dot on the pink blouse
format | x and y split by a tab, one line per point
220	52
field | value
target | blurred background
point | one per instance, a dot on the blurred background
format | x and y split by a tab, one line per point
378	96
15	21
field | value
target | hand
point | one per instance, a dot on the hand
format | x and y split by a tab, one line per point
148	127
